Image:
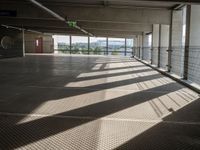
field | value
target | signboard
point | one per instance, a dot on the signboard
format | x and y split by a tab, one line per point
72	23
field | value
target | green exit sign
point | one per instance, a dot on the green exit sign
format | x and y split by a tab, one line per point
72	23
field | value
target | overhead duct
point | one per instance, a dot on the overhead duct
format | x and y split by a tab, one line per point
58	16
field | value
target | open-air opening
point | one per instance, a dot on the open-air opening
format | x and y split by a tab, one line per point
99	75
93	45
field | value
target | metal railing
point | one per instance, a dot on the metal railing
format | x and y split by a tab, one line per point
177	64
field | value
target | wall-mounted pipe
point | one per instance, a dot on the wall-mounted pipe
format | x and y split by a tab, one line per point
11	27
23	29
47	10
35	31
57	16
84	31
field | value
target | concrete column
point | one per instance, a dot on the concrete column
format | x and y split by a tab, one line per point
106	45
159	46
151	57
192	44
125	47
155	44
135	46
23	42
138	47
88	45
176	44
70	44
170	44
141	46
146	48
163	47
187	42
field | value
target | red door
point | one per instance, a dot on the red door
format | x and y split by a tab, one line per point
38	45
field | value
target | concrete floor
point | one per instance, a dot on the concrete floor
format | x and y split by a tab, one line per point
95	103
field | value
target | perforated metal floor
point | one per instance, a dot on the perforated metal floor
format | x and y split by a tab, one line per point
97	103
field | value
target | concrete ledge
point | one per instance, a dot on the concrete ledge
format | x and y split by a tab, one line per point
186	83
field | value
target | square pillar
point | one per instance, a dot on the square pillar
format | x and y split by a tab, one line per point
176	45
187	42
125	52
170	44
155	44
23	42
70	44
106	46
88	45
163	46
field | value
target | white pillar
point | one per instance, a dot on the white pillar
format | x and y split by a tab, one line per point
155	44
192	44
23	42
164	46
177	50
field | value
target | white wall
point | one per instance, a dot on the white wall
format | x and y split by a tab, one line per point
30	42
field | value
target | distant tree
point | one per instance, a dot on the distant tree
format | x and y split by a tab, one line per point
97	50
115	52
63	48
84	51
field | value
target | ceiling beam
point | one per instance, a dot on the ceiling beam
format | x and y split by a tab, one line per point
86	25
137	15
96	32
99	3
107	3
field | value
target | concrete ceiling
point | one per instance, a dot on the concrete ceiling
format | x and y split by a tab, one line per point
123	3
122	18
111	3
